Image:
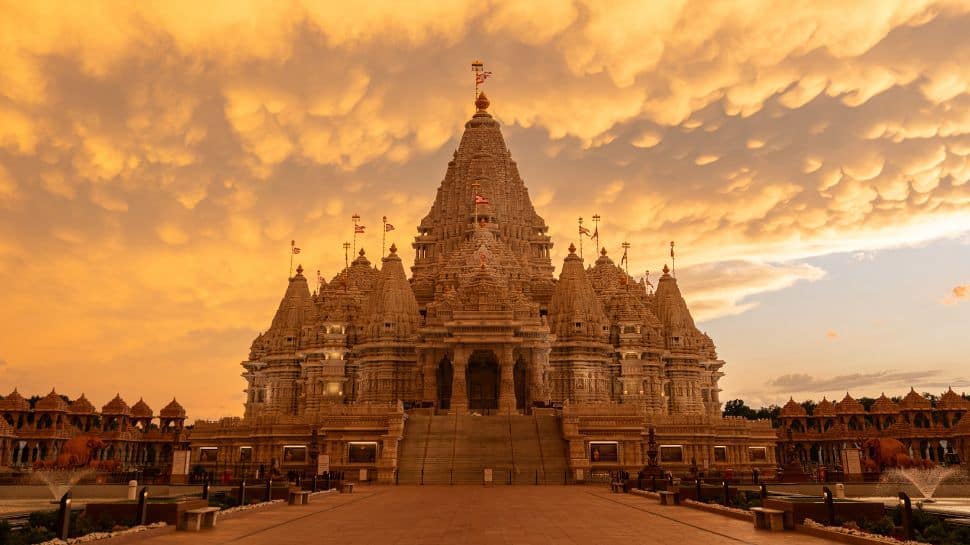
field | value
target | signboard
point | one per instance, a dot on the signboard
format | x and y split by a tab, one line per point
208	454
294	454
245	455
851	461
323	464
363	475
180	462
579	474
671	453
362	452
488	474
603	451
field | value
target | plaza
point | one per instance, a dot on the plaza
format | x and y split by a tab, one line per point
472	515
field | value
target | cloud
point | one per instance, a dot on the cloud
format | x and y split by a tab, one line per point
169	155
831	335
957	295
800	382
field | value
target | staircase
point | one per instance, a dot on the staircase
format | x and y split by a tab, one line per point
455	449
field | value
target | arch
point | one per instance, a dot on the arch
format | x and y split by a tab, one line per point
482	378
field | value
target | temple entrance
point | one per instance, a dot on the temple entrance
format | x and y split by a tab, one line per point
520	375
446	372
483	381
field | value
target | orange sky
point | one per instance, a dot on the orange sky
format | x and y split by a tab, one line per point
157	158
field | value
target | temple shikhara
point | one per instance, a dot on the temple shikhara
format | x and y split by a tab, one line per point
377	368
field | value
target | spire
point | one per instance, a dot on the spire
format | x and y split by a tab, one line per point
575	312
678	325
392	309
295	310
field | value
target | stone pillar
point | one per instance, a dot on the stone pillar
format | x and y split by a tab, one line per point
459	390
506	390
538	389
430	366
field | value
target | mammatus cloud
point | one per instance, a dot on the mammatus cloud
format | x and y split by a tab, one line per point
155	163
958	294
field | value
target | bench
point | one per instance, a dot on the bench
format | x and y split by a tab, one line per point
195	520
616	486
299	497
348	488
669	498
768	519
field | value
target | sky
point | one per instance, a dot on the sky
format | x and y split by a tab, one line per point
810	159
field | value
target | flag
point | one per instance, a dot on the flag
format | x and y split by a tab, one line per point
296	250
480	77
358	229
623	259
671	248
388	227
481	200
585	231
596	233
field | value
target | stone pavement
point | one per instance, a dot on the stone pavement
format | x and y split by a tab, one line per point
521	515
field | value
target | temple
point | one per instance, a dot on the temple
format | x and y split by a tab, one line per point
481	329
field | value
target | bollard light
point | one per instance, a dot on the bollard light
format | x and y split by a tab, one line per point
64	516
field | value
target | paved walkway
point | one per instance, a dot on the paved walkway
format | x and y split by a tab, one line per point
472	515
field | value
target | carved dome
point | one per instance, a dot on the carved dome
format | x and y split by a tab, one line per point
793	409
172	410
116	406
14	402
141	409
81	405
52	402
825	408
884	405
915	402
849	405
952	401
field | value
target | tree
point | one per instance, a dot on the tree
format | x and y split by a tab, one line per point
737	407
809	406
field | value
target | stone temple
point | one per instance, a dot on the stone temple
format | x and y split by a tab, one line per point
482	345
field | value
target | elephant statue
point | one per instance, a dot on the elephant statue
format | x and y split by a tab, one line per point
886	453
78	451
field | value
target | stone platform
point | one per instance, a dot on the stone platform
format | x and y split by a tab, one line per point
520	515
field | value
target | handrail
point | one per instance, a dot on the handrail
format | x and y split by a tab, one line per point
542	458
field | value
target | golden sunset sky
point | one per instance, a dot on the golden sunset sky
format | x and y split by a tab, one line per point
811	160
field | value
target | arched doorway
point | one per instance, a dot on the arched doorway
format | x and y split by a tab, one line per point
521	376
446	372
483	381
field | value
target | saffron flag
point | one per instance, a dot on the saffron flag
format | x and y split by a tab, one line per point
596	233
358	229
388	227
623	259
481	77
481	200
671	248
296	250
585	231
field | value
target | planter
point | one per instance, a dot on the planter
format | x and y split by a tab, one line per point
800	509
126	512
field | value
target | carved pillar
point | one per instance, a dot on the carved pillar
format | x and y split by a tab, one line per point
430	386
459	390
506	391
538	389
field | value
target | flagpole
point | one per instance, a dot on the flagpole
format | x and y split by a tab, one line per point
596	222
292	245
356	218
626	258
475	186
383	235
673	260
580	237
477	68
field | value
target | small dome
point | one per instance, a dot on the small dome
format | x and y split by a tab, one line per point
915	402
793	409
116	406
6	430
849	405
884	405
825	408
81	405
51	403
482	102
172	410
14	402
951	400
141	409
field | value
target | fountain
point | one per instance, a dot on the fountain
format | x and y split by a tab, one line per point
60	481
925	480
